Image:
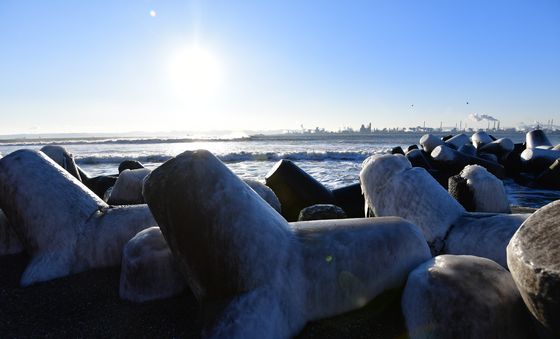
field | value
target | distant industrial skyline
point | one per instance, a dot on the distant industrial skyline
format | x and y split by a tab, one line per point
118	66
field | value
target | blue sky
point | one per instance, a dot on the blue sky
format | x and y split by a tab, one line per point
110	66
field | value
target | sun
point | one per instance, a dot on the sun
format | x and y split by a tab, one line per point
195	72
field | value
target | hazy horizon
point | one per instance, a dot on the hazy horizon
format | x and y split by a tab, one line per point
113	67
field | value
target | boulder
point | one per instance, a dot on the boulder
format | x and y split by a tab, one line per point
9	242
266	193
128	187
63	226
320	212
533	257
393	188
258	276
148	270
463	297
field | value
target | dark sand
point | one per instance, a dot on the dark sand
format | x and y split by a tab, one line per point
87	305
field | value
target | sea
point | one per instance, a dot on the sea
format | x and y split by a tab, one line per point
334	159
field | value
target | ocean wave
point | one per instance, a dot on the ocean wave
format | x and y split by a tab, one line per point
233	157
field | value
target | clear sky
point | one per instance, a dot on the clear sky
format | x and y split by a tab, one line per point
116	65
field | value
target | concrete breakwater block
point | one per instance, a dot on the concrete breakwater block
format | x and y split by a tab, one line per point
487	191
148	270
258	276
130	165
454	160
533	257
498	147
484	235
393	188
266	193
63	158
296	189
463	297
128	187
458	140
536	160
9	242
537	138
429	142
63	226
350	199
480	139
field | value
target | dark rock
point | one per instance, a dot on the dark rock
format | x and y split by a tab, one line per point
321	212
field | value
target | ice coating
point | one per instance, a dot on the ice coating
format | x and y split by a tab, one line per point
64	227
410	193
488	191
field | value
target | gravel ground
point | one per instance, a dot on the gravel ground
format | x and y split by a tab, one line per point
87	305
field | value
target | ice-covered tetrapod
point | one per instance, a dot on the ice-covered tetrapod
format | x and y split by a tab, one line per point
64	227
392	187
258	276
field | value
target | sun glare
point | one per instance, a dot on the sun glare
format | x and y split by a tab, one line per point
195	72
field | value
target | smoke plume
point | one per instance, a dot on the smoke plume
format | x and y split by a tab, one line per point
481	117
